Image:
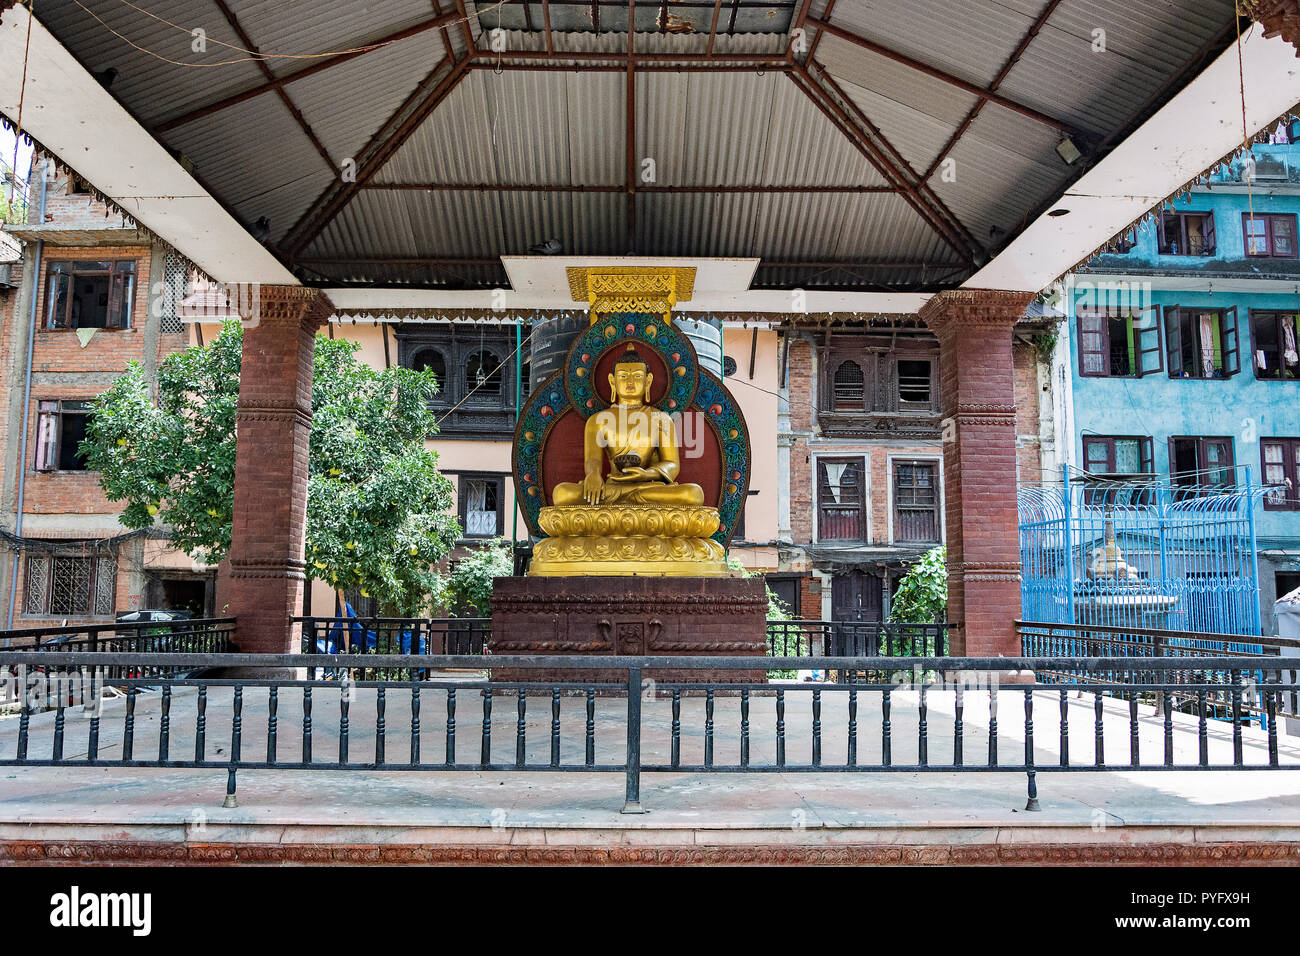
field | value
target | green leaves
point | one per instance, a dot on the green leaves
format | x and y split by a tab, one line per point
469	586
922	595
378	510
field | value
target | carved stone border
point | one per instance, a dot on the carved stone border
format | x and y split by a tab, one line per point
55	853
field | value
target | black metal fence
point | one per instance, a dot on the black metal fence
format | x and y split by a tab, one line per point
966	720
1276	660
395	635
856	639
187	636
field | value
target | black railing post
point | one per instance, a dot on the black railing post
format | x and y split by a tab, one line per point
1029	751
632	802
236	732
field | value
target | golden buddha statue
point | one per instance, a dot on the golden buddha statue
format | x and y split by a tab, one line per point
640	442
638	519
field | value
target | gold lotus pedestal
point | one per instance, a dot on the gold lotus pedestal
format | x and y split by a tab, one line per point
628	540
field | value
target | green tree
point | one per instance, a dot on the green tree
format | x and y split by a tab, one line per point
378	510
469	585
922	595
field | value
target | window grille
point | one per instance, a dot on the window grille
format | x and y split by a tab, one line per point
174	284
67	585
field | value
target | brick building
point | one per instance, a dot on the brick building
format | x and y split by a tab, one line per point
861	452
100	292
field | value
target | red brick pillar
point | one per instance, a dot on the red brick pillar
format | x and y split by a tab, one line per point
273	425
979	466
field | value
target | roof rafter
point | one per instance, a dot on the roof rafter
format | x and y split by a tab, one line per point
296	113
899	161
973	88
1012	60
629	122
277	82
863	143
395	131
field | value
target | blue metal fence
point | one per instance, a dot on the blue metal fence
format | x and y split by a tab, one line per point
1145	554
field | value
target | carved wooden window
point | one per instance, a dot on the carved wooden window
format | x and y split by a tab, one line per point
848	387
841	499
483	376
432	360
916	501
915	384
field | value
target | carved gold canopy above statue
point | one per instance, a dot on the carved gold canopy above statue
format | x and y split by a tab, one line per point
603	474
631	288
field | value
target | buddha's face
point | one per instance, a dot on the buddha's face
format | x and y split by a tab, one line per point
630	381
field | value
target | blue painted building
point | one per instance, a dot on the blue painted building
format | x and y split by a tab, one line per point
1181	353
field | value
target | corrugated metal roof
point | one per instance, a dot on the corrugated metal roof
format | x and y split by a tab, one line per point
381	80
153	88
700	128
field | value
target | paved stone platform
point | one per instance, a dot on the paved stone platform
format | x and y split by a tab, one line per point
365	815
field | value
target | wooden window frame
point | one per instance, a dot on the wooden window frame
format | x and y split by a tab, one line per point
893	465
1146	452
1277	316
98	566
1270	251
1145	326
928	407
1229	341
121	294
1290	472
848	405
1202	457
462	501
1164	245
863	513
444	393
47	457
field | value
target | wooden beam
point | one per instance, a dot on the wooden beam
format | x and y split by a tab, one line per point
713	28
630	124
899	162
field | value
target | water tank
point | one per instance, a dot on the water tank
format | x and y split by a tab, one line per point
552	338
549	344
706	335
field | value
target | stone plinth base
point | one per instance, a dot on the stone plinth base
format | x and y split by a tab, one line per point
688	617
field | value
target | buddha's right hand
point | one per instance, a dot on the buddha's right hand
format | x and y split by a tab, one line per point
592	486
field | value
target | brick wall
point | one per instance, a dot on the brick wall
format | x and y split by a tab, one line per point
1029	452
801	411
71	504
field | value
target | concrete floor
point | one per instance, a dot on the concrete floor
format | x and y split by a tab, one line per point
509	807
